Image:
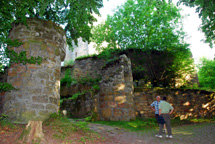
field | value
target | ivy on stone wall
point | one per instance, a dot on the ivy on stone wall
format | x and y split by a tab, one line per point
4	87
22	57
15	58
67	80
76	16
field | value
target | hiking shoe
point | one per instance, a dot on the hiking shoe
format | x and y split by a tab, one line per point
168	136
164	131
159	136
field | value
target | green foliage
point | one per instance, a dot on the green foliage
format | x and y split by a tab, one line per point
3	117
147	24
75	15
104	33
6	87
93	116
85	56
69	62
95	87
107	53
205	9
206	73
88	80
150	28
138	69
4	121
22	57
68	80
76	95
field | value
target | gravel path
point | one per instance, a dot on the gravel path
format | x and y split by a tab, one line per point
187	134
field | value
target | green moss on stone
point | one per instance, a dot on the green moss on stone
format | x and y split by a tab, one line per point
43	114
57	52
28	115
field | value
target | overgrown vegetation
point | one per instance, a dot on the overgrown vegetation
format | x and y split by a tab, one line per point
4	121
77	19
85	56
69	81
206	74
6	87
159	68
205	9
152	30
69	62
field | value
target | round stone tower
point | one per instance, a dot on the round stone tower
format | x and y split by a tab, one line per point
38	85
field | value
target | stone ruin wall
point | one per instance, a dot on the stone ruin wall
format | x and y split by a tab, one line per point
114	101
109	101
187	103
38	86
88	67
83	68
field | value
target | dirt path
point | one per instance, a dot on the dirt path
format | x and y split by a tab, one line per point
187	134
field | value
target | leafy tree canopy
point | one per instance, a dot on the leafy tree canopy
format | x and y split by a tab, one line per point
150	26
142	24
206	10
206	73
75	15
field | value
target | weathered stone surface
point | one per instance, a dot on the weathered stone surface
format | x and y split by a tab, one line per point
120	99
186	103
116	79
38	84
40	99
111	104
106	113
53	100
116	87
38	106
51	107
118	113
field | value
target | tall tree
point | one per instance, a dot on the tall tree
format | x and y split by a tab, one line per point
149	25
76	16
206	11
206	73
143	24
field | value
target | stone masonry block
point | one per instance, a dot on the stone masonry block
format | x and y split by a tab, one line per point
111	104
106	113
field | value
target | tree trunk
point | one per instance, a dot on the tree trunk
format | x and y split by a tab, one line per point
34	132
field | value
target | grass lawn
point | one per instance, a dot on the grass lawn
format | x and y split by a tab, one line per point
192	131
151	123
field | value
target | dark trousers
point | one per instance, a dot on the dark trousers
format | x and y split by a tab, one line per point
159	119
168	125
